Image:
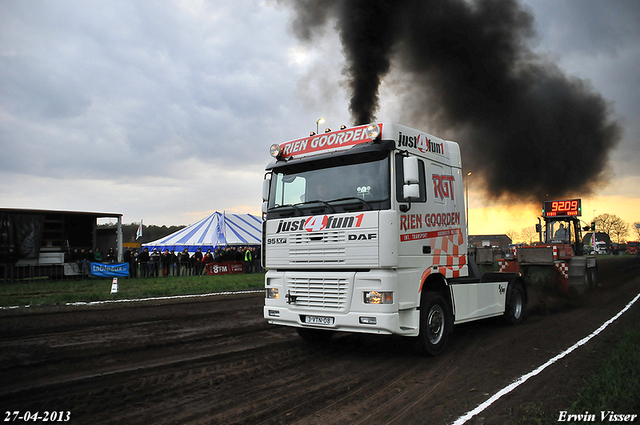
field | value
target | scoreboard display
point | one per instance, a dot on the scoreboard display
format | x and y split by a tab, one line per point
563	208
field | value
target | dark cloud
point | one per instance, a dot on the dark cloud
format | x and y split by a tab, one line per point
34	88
527	128
125	95
129	88
589	28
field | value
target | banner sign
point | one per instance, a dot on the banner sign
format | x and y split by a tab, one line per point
110	270
228	267
320	142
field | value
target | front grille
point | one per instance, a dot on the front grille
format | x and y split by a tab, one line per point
318	237
317	255
317	248
319	293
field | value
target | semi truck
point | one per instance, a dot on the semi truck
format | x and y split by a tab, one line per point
365	231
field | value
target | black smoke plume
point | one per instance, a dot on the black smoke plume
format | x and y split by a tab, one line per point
466	70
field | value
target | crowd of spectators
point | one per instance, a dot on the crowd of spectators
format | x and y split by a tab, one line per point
152	263
84	257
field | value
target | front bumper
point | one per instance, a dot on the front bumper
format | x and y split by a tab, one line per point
314	295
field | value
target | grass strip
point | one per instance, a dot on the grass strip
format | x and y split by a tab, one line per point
99	289
617	386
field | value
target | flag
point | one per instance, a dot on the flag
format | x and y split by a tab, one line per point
220	231
139	232
223	229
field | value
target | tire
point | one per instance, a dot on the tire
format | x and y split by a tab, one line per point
435	324
515	308
593	277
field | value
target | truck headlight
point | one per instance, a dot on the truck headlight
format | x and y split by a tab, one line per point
373	131
375	297
272	293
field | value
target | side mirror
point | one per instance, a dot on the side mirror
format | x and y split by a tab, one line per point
411	191
411	177
538	228
410	170
266	185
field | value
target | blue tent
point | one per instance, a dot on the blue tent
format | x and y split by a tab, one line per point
219	229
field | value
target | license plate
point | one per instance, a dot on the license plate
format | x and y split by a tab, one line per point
318	320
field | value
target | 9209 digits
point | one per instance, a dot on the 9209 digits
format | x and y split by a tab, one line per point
46	416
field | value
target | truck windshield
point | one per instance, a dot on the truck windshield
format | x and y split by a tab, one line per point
347	184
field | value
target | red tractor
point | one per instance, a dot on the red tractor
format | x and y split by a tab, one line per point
557	264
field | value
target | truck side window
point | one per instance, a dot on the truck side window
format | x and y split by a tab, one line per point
400	182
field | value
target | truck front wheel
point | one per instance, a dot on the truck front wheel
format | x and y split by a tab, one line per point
435	324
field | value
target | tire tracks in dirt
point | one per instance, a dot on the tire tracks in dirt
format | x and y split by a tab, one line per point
217	362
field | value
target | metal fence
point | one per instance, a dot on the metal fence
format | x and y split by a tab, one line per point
11	273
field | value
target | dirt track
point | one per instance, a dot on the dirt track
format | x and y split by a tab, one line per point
217	361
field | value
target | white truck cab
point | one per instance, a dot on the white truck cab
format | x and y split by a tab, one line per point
365	232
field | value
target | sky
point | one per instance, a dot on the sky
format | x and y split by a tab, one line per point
165	111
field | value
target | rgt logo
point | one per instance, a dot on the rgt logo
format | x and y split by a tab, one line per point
320	222
443	186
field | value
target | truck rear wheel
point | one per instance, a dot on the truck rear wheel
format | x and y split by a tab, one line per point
514	311
435	324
